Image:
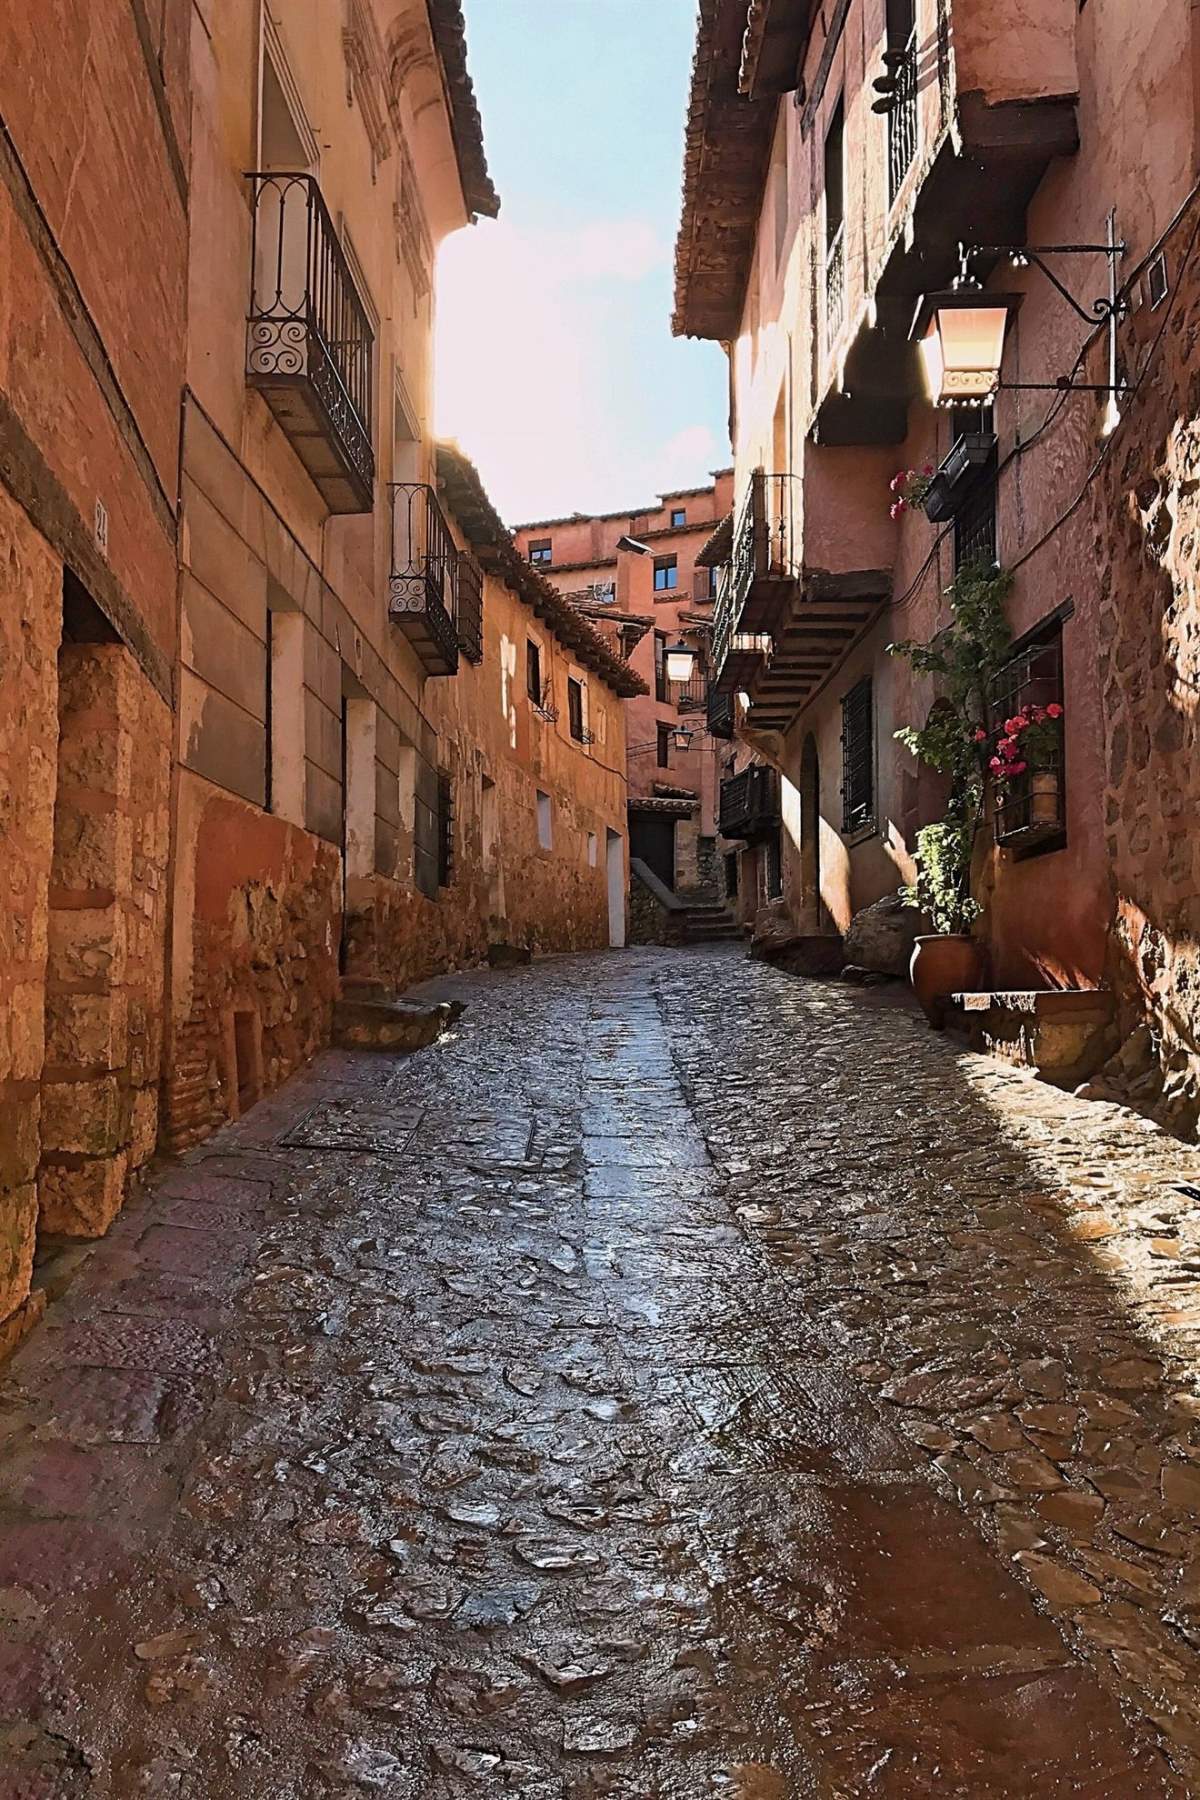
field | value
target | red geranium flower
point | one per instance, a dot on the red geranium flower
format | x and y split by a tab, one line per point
1054	710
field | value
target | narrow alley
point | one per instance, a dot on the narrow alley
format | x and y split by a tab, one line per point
679	1381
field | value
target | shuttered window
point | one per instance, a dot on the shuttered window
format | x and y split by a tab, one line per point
858	759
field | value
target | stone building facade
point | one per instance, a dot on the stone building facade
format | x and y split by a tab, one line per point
641	577
93	295
816	215
262	727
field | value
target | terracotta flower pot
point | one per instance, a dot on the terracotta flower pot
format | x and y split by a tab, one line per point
944	965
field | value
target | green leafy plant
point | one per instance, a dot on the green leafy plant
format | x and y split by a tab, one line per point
964	657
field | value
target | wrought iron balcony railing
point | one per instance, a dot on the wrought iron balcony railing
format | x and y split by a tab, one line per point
750	806
426	565
758	579
835	285
310	349
903	121
692	696
470	607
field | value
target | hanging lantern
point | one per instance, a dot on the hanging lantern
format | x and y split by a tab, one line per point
960	334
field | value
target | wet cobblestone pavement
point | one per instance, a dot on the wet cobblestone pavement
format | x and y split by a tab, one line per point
683	1381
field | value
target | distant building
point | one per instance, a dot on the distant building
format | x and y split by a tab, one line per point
645	578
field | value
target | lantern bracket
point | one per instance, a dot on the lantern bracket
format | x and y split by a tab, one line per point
1106	308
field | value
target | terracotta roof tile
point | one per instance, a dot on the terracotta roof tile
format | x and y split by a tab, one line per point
450	36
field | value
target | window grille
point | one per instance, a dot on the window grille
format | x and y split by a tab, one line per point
1030	811
858	758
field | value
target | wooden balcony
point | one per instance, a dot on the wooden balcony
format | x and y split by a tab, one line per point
750	804
426	566
828	618
310	343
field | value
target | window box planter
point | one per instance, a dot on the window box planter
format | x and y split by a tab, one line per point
953	482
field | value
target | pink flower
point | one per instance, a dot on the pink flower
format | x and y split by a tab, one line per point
929	469
898	481
1054	710
980	735
1007	746
1017	768
996	766
1011	727
1037	714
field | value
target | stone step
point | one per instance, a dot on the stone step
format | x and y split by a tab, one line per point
390	1024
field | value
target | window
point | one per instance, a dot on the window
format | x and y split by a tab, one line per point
1031	812
426	827
731	874
545	820
666	573
858	759
533	671
660	668
664	746
445	828
540	550
593	852
575	708
678	516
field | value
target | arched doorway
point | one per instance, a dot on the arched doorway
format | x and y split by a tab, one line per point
810	833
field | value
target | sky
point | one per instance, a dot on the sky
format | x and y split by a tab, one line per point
556	368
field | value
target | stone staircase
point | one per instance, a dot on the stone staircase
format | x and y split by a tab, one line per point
705	922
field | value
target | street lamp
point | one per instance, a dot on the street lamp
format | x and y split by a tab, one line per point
960	334
681	663
683	737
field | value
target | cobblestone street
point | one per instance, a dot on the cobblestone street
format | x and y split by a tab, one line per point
681	1381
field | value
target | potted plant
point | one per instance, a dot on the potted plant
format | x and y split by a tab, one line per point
1029	745
956	741
908	488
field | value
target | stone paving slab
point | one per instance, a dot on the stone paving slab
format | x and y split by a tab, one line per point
682	1381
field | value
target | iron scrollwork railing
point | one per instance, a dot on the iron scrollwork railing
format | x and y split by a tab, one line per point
902	118
307	322
425	565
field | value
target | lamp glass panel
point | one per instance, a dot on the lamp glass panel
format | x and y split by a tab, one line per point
970	350
680	663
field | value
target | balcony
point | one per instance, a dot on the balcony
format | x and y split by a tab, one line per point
750	807
757	584
470	607
310	348
970	136
720	715
426	566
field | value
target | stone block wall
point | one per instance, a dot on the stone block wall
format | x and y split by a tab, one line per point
255	957
30	624
1145	539
104	972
